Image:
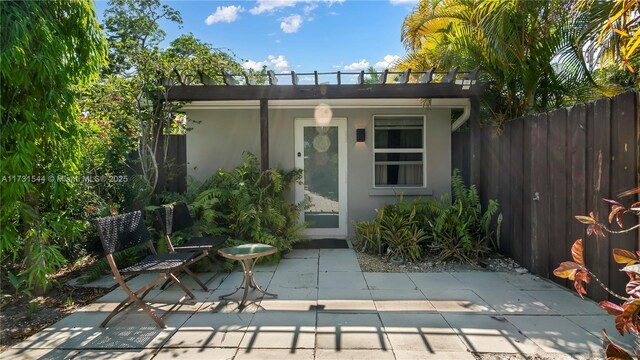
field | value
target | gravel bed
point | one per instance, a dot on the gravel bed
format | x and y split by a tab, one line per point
494	262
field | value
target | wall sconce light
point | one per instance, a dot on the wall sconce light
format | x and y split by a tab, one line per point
360	135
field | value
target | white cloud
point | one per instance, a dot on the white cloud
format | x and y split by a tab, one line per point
309	8
403	2
226	14
387	62
271	5
278	63
263	6
277	41
360	65
291	23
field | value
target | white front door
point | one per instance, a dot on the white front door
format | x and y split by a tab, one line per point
321	152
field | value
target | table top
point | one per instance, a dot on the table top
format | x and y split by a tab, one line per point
247	251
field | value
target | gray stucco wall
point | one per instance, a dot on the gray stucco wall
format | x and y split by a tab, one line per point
219	137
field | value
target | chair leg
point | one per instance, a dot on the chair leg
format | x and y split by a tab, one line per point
195	278
181	285
128	301
132	297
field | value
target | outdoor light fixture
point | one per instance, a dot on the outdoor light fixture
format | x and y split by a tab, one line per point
360	135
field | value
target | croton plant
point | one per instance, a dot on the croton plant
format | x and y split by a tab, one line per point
627	315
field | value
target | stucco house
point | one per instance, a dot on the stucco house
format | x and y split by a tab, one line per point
360	145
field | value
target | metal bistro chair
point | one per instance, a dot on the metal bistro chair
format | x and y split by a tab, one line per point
125	231
176	217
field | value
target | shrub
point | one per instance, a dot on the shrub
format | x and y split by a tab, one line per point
249	205
627	315
458	230
461	230
394	232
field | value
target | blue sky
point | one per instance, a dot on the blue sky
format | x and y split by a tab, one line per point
299	35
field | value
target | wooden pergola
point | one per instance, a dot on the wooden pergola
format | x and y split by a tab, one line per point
429	84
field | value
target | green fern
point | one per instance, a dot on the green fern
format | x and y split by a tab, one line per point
462	231
249	204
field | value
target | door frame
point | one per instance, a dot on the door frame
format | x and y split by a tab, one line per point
299	124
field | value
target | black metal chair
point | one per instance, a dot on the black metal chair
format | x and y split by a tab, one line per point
125	231
176	217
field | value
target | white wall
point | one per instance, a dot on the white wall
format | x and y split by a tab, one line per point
219	137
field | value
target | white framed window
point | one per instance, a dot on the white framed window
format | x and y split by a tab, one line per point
399	151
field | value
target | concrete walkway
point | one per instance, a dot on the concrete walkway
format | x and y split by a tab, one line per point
328	309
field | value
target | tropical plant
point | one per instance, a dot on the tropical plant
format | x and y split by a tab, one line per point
461	230
403	235
627	315
612	33
368	237
249	205
41	131
531	52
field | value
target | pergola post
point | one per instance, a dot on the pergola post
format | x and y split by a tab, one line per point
474	161
264	134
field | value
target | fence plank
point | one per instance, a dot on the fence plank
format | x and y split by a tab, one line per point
577	183
494	164
505	181
484	186
558	174
624	130
460	154
530	128
598	174
516	189
540	196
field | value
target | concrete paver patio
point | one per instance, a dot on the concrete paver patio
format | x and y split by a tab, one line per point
328	309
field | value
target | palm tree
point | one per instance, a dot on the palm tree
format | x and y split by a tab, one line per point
611	36
526	49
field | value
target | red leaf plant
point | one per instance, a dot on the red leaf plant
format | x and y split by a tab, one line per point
627	314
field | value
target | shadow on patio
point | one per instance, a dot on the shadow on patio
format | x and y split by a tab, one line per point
338	314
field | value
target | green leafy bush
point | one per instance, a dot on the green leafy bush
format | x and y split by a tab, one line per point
461	230
458	230
249	205
393	232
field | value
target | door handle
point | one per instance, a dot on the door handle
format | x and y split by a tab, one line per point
299	154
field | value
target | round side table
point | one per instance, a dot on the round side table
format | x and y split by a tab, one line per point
247	254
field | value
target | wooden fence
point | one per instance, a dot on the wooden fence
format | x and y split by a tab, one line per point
174	171
544	169
175	175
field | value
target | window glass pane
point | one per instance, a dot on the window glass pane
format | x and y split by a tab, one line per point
399	175
399	169
321	176
398	132
409	121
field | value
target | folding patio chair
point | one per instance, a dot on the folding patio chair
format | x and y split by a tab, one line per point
176	217
125	231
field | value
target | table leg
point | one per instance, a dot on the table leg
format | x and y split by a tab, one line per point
247	282
255	285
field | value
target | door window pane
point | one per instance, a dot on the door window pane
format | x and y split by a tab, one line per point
321	176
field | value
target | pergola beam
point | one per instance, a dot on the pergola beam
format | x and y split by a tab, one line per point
308	92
